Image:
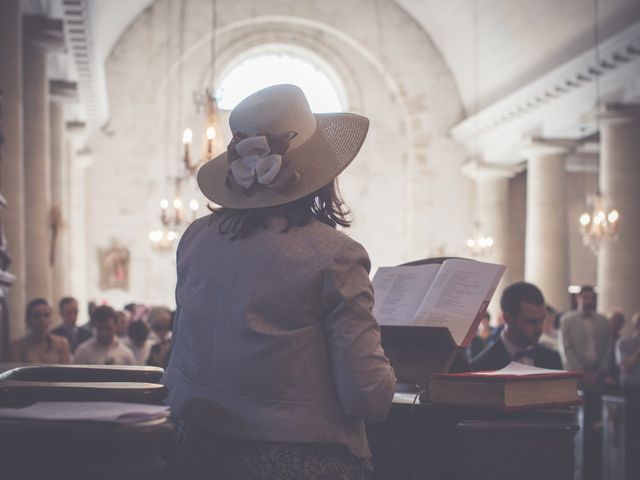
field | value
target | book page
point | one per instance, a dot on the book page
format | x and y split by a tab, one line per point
118	412
399	290
515	368
457	294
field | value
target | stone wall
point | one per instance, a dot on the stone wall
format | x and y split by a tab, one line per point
408	197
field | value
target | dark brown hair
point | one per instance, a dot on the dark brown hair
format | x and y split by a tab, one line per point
33	304
64	300
517	293
102	314
325	205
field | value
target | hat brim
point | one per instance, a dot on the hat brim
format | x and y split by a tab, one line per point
331	148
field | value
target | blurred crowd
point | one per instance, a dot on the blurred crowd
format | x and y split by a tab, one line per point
135	335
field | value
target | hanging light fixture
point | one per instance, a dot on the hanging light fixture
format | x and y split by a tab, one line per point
600	222
176	214
207	103
479	245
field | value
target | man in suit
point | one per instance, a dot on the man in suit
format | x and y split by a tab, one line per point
68	307
524	312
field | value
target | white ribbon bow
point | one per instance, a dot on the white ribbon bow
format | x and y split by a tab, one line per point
256	162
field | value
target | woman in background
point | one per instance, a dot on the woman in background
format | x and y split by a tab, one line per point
276	360
40	346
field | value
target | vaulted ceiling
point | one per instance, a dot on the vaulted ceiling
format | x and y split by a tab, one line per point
517	40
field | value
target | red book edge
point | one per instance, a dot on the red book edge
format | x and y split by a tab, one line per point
506	378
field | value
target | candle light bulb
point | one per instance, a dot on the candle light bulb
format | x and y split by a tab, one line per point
585	218
187	136
211	133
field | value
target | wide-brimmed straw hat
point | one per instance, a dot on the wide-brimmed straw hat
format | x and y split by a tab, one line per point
280	150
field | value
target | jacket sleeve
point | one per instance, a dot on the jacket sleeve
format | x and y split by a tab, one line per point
363	378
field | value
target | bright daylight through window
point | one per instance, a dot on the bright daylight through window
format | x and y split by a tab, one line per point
264	69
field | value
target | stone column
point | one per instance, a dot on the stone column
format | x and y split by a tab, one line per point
492	214
41	35
58	185
81	159
619	261
546	244
61	91
12	173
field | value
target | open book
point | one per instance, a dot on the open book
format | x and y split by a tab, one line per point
453	294
516	386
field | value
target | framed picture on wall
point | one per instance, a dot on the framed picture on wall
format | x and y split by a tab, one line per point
114	267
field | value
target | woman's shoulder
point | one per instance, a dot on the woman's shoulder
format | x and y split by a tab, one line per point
329	240
324	231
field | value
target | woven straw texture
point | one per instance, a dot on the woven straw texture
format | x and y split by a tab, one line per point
318	158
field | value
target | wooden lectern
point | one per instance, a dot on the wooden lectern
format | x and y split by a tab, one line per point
81	449
437	442
416	353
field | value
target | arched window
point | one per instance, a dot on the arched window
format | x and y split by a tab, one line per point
274	64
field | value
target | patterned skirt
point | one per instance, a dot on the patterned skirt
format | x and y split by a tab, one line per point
199	455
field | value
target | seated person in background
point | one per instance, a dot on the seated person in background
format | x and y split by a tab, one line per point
68	308
138	341
524	313
628	355
160	322
104	348
549	337
483	338
40	346
132	308
123	317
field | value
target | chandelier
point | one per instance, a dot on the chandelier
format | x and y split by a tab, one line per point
206	103
600	223
176	215
478	244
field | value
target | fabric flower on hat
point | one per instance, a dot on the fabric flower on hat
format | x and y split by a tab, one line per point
258	160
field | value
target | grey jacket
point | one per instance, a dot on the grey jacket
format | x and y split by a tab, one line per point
274	338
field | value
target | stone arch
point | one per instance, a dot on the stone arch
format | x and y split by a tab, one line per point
409	165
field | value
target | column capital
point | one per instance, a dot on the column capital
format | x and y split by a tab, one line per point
45	32
618	113
478	170
539	146
63	91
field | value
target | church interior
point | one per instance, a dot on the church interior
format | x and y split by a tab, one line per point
505	131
